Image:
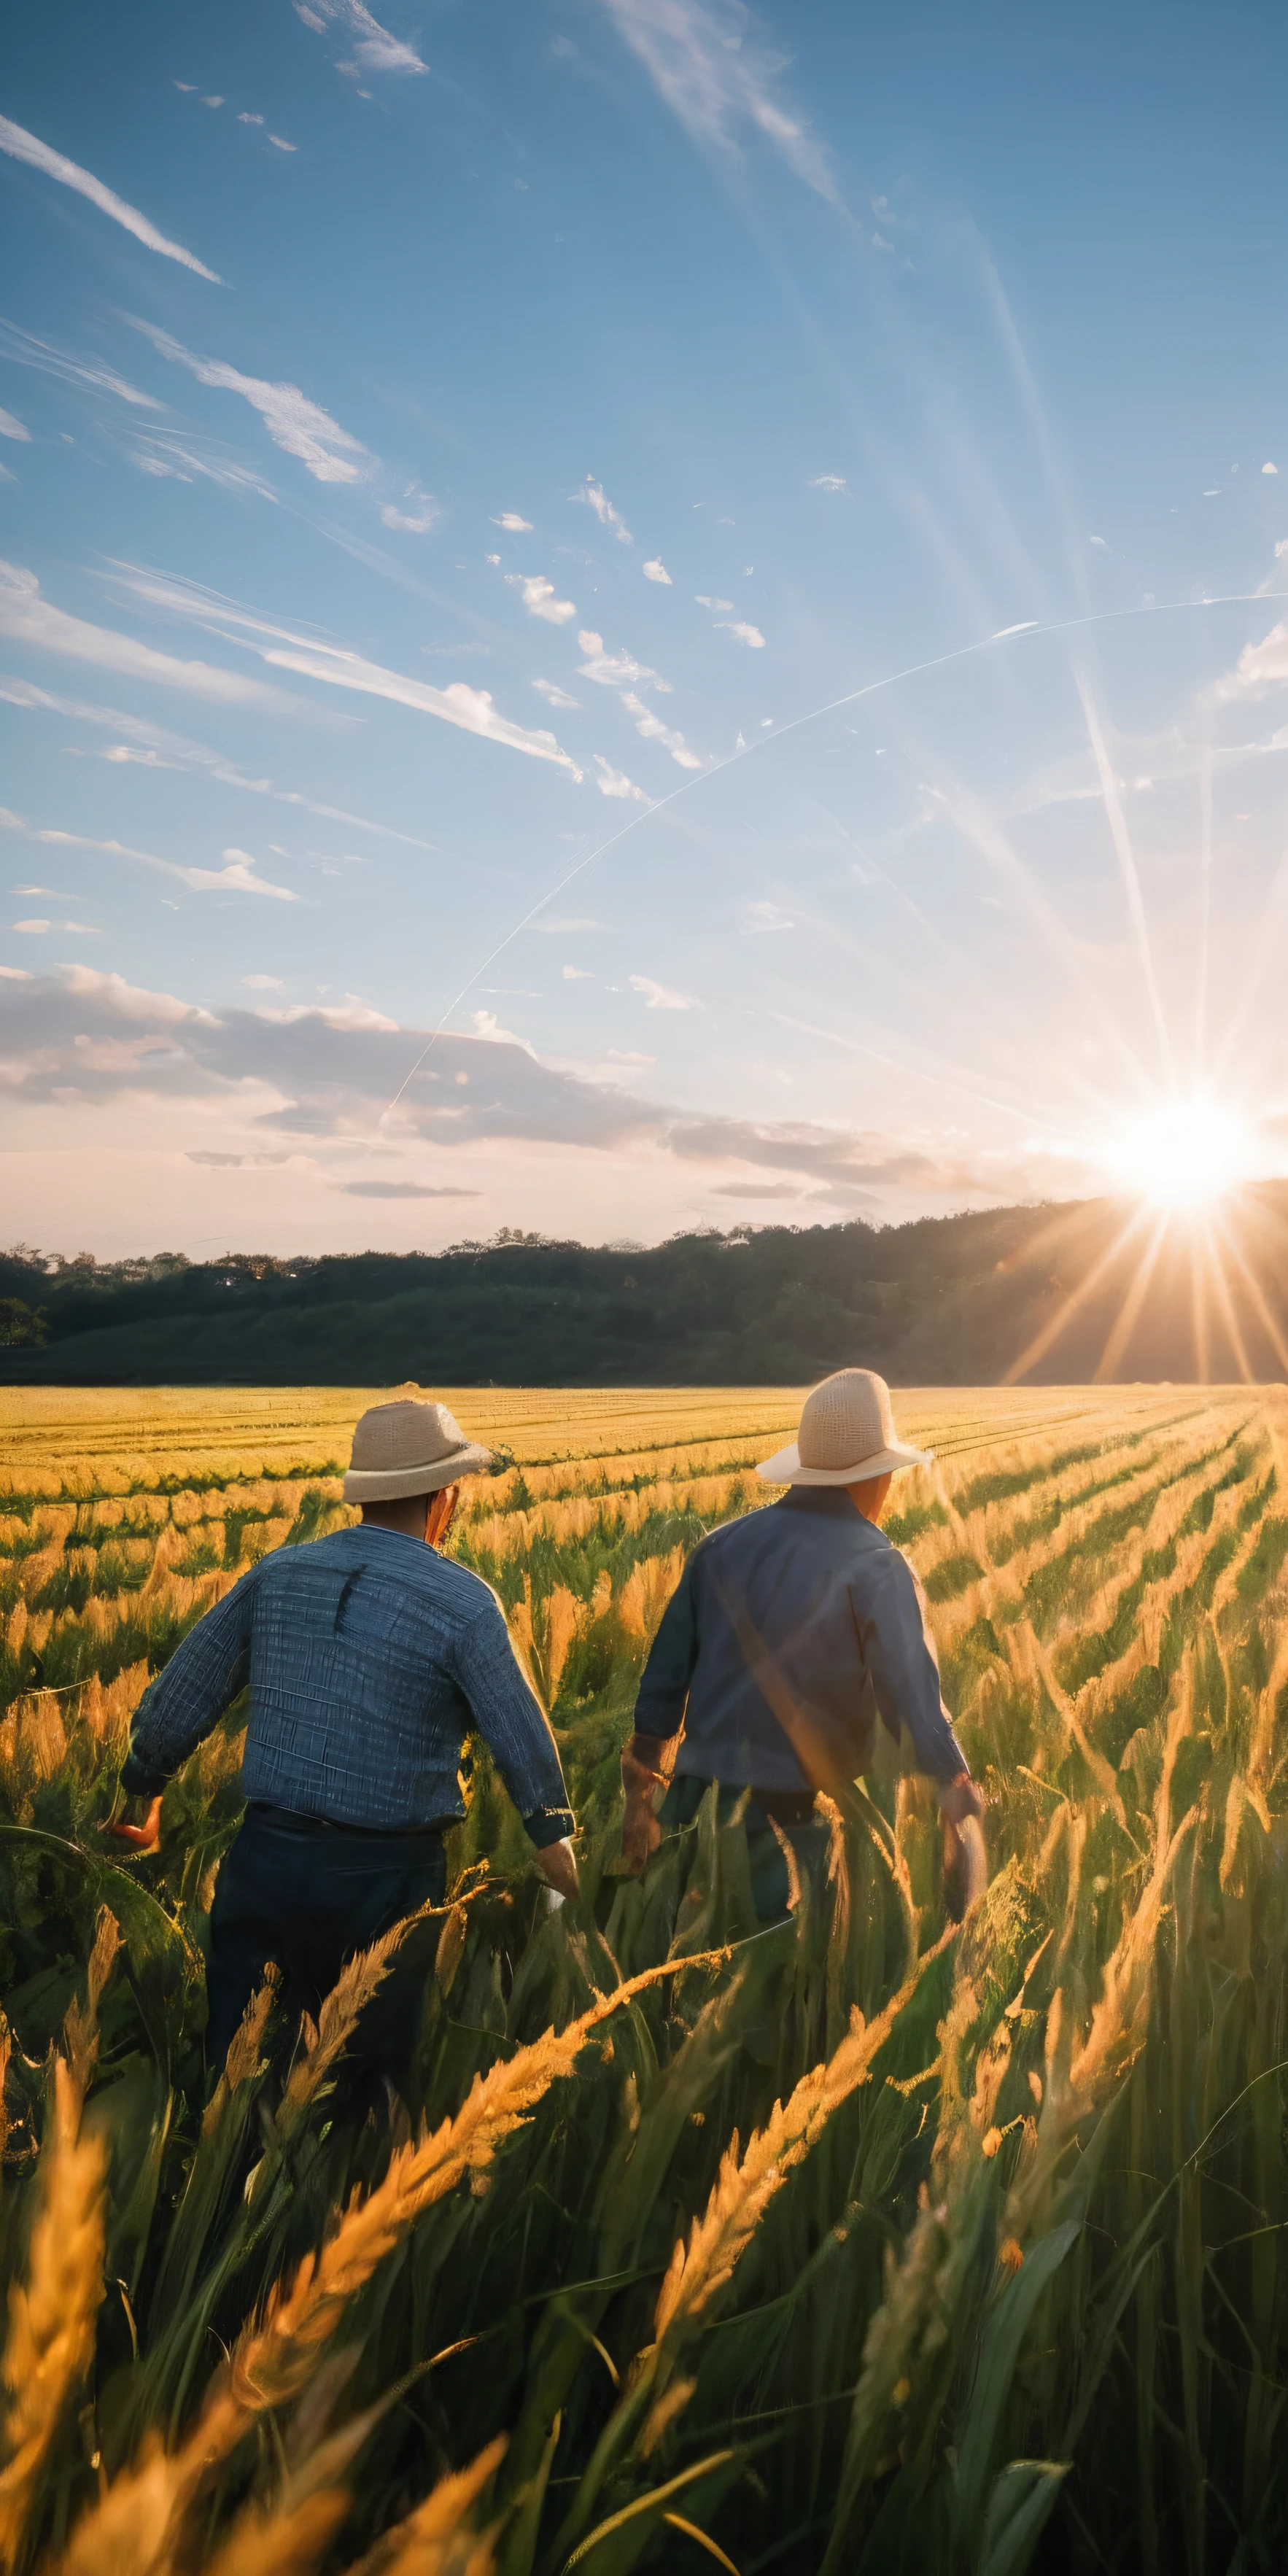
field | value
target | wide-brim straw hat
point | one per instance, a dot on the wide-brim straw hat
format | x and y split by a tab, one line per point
847	1434
408	1448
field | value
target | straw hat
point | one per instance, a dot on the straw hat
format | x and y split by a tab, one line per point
847	1433
409	1448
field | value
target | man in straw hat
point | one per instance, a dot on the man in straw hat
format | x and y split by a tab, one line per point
368	1656
790	1633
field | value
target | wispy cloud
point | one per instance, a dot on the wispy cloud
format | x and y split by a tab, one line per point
705	601
237	875
828	483
554	696
24	350
151	746
538	596
295	424
282	144
718	79
657	571
741	632
658	997
29	619
374	49
180	457
765	916
653	730
315	659
614	782
21	146
417	520
402	1190
11	427
595	495
613	670
510	519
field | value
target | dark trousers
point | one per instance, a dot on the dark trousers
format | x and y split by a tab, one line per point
793	1813
309	1896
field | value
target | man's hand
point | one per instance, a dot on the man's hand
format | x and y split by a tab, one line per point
145	1837
965	1851
641	1780
557	1863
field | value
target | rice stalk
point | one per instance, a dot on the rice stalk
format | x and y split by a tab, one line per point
50	2343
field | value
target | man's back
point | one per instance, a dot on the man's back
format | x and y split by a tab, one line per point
792	1630
368	1656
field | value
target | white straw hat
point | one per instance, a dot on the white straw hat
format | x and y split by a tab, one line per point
408	1448
847	1433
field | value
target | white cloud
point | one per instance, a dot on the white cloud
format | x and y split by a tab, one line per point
578	975
539	599
653	730
614	782
1098	541
282	144
657	571
658	998
169	457
510	519
150	746
21	146
612	670
554	696
765	916
212	102
18	974
425	512
471	709
245	118
1259	667
237	876
374	49
29	619
13	428
31	927
300	427
1269	469
263	983
607	516
704	602
741	632
186	85
717	79
27	351
828	483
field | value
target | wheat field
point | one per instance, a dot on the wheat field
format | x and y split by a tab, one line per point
861	2241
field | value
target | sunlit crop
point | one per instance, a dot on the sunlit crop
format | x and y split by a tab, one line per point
858	2242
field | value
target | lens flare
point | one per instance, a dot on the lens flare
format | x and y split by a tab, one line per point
1186	1153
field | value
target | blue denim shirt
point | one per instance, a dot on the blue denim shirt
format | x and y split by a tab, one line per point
791	1631
369	1657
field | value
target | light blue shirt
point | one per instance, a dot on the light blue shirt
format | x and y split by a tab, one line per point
369	1657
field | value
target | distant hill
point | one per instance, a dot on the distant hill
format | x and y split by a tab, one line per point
1054	1293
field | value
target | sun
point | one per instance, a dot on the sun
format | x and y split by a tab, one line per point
1186	1153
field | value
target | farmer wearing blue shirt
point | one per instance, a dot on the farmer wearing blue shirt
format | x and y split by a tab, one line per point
792	1632
369	1656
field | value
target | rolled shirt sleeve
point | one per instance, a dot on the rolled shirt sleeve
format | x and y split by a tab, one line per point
186	1701
900	1656
664	1689
514	1726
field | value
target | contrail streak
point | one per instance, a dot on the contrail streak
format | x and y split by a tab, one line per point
796	724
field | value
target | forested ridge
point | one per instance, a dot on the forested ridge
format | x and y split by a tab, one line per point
955	1300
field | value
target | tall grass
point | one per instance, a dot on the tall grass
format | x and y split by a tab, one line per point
860	2241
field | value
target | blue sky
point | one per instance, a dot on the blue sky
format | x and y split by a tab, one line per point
622	614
